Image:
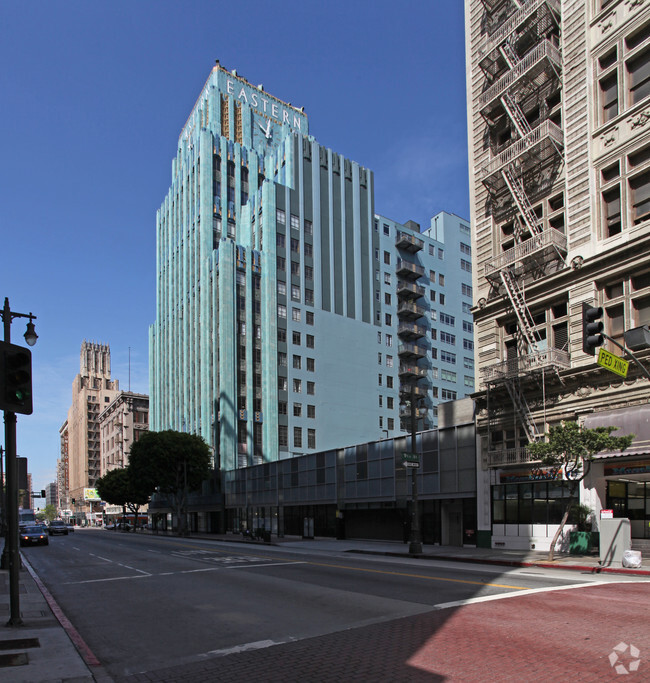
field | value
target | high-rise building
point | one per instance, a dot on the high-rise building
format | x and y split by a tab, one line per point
290	318
92	389
559	143
121	423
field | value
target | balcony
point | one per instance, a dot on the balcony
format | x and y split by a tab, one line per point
408	372
406	390
408	242
411	331
539	64
411	351
409	271
540	143
549	244
510	456
547	359
409	290
409	311
405	413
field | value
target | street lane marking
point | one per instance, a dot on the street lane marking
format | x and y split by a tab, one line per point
258	645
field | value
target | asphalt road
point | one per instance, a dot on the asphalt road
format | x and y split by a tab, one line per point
143	603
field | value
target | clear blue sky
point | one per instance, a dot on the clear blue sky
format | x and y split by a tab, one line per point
93	98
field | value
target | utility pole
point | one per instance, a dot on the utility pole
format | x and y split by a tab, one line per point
415	542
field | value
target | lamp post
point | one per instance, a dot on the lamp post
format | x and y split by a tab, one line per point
11	554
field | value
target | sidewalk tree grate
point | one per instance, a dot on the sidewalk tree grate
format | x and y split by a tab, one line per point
19	643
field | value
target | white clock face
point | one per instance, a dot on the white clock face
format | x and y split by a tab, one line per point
262	133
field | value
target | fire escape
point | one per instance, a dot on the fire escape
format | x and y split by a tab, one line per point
410	330
522	63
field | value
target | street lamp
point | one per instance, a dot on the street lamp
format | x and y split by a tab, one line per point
11	554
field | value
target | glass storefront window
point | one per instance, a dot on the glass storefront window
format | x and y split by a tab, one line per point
539	503
498	506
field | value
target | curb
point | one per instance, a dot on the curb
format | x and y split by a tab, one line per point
513	563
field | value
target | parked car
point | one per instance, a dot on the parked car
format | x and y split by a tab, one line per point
70	527
57	527
33	535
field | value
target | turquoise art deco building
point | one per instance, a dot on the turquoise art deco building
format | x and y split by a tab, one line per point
290	318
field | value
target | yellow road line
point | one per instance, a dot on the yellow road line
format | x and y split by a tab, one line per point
365	569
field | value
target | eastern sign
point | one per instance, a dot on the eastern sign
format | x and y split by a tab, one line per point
612	363
266	105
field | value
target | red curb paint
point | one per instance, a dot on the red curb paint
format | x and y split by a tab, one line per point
72	632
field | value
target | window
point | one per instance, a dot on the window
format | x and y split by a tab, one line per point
296	338
309	228
386	229
379	379
389	340
283	436
390	402
311	363
434	334
468	345
311	388
295	222
433	314
311	438
282	359
467	308
280	217
441	279
295	314
282	334
310	317
466	290
282	384
468	363
297	437
432	295
297	362
295	293
389	382
389	361
469	382
447	357
281	263
282	407
465	265
282	288
441	253
311	411
640	197
280	240
467	327
309	297
295	245
310	341
297	409
465	249
612	211
447	395
388	319
297	386
387	299
609	97
387	257
282	311
442	299
386	278
381	401
432	276
390	423
431	250
379	337
434	354
379	358
638	70
447	338
295	268
309	273
309	250
447	319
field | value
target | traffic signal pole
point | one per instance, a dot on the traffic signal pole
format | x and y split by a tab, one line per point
11	554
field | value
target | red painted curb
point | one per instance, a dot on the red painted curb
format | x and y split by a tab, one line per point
72	632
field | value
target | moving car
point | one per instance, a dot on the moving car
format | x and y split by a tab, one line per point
33	535
57	527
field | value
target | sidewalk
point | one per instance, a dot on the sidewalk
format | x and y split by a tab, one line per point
47	649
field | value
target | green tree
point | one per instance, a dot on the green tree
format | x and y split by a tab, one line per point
120	487
571	448
173	463
48	513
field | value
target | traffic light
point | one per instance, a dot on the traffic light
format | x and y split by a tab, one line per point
74	501
592	328
43	494
15	379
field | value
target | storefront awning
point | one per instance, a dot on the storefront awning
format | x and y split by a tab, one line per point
633	420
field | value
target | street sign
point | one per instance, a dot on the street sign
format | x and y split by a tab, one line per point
410	460
612	363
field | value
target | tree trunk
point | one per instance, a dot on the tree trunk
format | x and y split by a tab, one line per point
551	550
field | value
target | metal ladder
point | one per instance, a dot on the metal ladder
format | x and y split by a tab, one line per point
516	115
526	323
518	193
524	411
